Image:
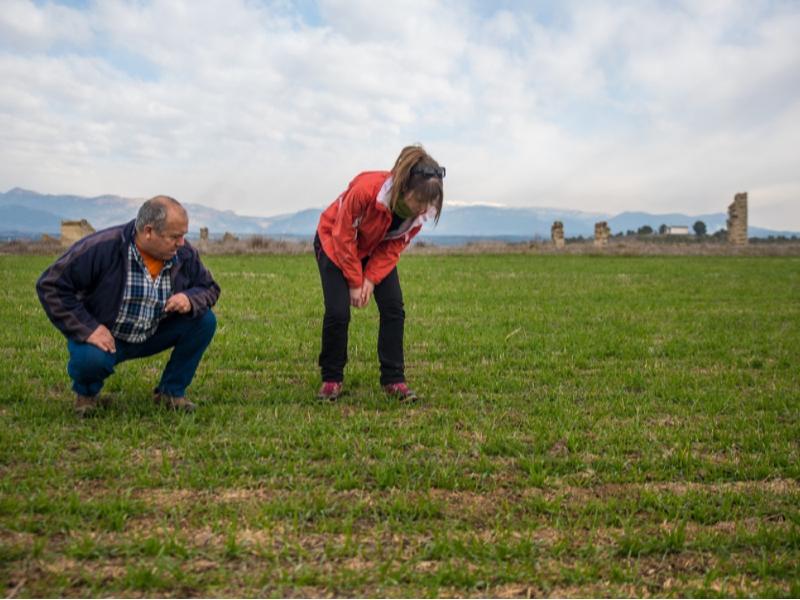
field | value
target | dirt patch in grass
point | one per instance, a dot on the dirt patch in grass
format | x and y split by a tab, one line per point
280	555
453	504
16	538
461	509
461	535
612	491
160	498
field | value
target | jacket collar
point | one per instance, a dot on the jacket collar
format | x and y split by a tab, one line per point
128	231
126	235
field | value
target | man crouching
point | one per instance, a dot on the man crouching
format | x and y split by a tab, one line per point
132	291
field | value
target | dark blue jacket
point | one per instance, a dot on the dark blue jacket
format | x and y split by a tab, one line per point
84	288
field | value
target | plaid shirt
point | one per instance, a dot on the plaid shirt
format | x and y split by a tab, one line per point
144	300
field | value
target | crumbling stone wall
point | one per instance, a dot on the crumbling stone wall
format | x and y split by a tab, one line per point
72	231
203	245
557	233
601	233
737	221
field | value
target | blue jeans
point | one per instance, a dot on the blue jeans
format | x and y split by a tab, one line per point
89	366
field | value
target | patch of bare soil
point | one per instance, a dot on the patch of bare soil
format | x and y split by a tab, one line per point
654	576
453	504
471	518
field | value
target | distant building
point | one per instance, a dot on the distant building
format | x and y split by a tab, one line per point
557	233
72	231
601	233
677	230
737	221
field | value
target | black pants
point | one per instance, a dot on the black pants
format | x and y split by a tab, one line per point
389	298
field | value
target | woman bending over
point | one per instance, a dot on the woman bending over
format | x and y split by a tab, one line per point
358	243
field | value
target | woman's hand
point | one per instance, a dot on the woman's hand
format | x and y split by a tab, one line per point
366	292
359	297
355	297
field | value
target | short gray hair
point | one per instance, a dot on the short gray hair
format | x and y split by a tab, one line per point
154	213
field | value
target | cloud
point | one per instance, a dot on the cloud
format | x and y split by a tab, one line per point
26	28
270	106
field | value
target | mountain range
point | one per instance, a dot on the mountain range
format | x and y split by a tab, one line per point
28	214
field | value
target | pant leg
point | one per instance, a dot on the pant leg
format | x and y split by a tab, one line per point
188	339
336	322
89	367
389	298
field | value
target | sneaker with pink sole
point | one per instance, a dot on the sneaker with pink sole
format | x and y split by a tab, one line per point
329	391
401	392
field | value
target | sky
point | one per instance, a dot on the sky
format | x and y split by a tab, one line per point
268	107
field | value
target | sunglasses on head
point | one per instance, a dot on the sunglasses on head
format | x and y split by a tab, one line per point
428	172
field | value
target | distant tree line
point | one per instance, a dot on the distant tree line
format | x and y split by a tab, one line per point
700	233
699	229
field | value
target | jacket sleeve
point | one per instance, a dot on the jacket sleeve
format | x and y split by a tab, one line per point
386	256
345	232
60	289
202	291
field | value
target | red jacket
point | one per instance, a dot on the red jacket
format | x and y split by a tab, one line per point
355	227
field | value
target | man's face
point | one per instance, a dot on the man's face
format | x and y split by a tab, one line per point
165	245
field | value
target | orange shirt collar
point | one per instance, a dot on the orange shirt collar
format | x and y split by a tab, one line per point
154	265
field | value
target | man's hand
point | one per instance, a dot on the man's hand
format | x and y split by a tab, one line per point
102	338
178	303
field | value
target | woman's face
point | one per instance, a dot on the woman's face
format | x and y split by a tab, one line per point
412	201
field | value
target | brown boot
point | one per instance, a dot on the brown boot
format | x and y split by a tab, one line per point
85	406
181	404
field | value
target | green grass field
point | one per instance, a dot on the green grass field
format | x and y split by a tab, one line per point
591	426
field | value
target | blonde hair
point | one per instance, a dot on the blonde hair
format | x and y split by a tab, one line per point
429	190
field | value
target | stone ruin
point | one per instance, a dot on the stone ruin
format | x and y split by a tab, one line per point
72	231
557	233
601	233
737	221
202	246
